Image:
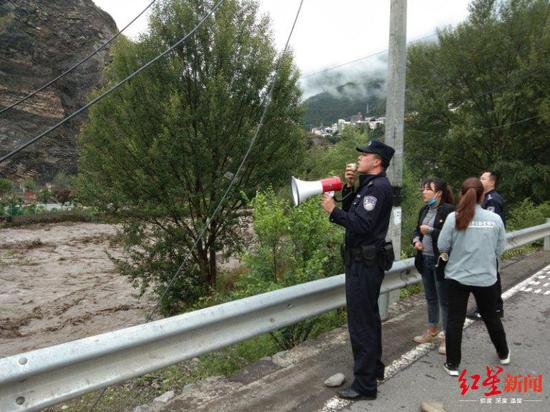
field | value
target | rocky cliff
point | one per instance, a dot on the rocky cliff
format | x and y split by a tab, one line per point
38	41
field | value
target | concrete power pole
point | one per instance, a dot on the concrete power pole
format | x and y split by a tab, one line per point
395	113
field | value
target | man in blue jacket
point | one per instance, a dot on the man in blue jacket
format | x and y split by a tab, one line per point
365	214
493	202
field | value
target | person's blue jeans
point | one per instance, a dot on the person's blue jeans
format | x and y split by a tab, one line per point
436	293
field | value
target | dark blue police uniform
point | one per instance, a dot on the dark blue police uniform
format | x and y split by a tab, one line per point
494	202
365	215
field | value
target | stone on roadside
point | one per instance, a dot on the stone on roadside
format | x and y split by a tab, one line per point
165	397
335	380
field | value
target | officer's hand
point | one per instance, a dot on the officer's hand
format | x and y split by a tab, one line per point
349	173
424	229
328	203
418	245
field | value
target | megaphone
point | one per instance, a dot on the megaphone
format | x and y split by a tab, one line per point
302	190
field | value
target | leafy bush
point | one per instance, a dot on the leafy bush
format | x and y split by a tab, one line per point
322	161
44	195
411	204
294	245
13	206
6	187
527	214
30	185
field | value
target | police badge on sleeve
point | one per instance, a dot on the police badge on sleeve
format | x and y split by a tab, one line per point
369	203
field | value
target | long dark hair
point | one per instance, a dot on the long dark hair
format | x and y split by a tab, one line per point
440	186
471	194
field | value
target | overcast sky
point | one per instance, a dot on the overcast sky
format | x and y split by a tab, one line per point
328	32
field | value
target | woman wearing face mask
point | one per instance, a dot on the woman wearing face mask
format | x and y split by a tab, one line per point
438	200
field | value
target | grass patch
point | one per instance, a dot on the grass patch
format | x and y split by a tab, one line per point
522	250
410	290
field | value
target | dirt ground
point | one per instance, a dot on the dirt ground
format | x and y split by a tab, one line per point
57	284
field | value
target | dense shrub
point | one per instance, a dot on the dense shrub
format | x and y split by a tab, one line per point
526	214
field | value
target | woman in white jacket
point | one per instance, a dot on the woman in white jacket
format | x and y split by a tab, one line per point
474	239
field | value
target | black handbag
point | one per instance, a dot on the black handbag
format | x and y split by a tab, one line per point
440	265
418	261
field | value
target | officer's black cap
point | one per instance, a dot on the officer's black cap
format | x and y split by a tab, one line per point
381	149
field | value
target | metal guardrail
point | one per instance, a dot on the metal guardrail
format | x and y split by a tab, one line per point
40	378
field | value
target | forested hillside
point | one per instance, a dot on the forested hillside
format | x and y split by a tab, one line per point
345	101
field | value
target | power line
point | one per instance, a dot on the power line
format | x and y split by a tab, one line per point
234	178
85	59
113	88
267	102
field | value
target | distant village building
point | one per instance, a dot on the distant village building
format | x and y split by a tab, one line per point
357	120
374	123
323	131
341	125
326	135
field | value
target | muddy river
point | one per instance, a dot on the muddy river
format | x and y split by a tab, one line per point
58	284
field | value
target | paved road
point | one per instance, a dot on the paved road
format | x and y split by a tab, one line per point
293	380
527	326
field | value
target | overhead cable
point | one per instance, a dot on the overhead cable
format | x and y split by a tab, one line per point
236	174
362	58
74	66
113	88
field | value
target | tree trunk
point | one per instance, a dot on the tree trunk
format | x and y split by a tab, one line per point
212	275
204	265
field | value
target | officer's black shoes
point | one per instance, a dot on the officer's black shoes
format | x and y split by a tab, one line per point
380	376
450	369
353	395
500	313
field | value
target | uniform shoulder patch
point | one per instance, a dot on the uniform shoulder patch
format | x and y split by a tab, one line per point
369	203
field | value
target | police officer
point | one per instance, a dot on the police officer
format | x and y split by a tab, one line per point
493	202
365	215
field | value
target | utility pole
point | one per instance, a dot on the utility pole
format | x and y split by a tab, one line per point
395	113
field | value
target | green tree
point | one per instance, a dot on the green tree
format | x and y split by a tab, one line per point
160	152
293	245
323	161
6	187
63	188
480	99
30	185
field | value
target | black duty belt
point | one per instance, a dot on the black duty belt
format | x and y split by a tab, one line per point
370	255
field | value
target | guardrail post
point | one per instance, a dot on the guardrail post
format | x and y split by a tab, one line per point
383	304
547	238
385	300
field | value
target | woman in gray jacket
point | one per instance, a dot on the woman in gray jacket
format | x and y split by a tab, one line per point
474	238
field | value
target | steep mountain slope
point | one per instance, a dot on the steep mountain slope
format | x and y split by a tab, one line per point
38	41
